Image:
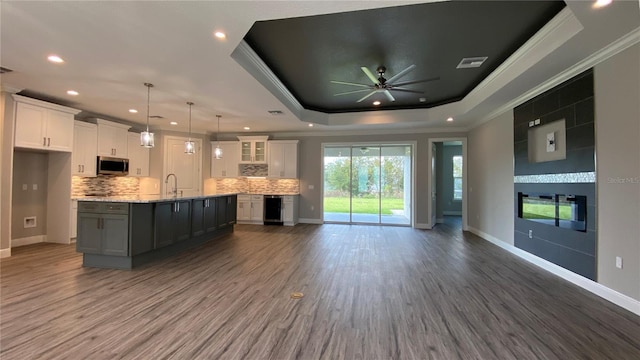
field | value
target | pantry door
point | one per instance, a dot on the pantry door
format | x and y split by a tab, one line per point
186	167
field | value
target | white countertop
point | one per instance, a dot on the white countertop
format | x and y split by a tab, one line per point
144	198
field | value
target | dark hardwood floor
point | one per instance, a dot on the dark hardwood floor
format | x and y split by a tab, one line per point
369	293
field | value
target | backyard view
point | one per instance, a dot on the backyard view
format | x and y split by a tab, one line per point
367	184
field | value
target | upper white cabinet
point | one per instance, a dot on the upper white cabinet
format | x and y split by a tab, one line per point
228	165
42	125
83	157
112	138
138	156
283	159
253	149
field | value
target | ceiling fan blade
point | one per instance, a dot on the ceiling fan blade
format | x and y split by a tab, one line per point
401	73
366	96
389	96
351	92
407	90
417	81
369	75
350	83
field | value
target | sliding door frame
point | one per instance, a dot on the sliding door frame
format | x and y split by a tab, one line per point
412	144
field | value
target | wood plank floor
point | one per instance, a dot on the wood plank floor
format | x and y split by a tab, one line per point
369	293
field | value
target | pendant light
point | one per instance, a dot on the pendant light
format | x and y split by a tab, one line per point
146	137
218	152
189	146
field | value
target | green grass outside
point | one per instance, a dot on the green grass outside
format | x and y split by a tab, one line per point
362	206
544	211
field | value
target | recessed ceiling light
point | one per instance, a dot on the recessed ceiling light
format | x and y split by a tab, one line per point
449	119
55	59
133	111
601	3
173	123
247	128
310	125
220	35
376	103
72	92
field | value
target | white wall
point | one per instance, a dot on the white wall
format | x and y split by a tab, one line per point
617	114
490	178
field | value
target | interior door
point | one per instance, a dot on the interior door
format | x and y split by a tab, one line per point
433	186
187	168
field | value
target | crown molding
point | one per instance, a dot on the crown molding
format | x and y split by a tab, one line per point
623	43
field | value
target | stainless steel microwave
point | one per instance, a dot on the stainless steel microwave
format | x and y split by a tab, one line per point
112	166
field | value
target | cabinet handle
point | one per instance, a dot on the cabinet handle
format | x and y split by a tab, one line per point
44	141
82	168
48	141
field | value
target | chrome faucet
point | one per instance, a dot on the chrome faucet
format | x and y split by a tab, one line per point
174	191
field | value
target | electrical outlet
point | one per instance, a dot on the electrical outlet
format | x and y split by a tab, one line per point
619	262
25	187
35	186
530	234
311	187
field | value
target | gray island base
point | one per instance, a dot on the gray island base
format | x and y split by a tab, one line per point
125	232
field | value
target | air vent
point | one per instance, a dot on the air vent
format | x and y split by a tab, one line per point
472	62
275	112
156	117
4	70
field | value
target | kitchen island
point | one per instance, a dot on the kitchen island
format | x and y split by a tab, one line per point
123	232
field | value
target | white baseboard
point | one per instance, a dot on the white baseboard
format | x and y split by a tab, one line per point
422	226
453	213
310	221
604	292
28	240
5	253
439	221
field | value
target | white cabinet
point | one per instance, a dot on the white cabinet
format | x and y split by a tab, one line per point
250	209
83	157
42	125
283	159
253	149
228	165
138	156
290	210
112	138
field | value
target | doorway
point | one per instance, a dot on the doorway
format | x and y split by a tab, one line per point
368	184
447	180
187	168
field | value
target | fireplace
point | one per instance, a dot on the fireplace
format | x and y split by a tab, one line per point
565	211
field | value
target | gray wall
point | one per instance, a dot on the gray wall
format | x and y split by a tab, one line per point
29	168
490	173
449	206
310	168
617	91
490	178
6	155
439	181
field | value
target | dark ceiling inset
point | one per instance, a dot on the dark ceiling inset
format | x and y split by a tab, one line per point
307	53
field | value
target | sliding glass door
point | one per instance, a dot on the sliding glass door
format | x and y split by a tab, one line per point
367	184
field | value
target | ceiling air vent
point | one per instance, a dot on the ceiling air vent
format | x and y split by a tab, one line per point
4	70
275	112
472	62
156	117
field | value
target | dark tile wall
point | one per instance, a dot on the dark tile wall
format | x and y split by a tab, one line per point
572	101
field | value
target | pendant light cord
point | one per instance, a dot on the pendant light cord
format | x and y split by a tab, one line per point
149	86
189	103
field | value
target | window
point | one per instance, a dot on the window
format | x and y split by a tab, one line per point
457	177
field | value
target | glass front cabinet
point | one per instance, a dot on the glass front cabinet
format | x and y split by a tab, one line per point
253	149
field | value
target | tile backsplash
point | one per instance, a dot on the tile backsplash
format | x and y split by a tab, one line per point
110	185
254	169
258	186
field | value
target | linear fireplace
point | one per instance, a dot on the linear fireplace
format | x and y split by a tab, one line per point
565	211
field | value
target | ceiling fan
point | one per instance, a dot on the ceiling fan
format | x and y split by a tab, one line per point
382	85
